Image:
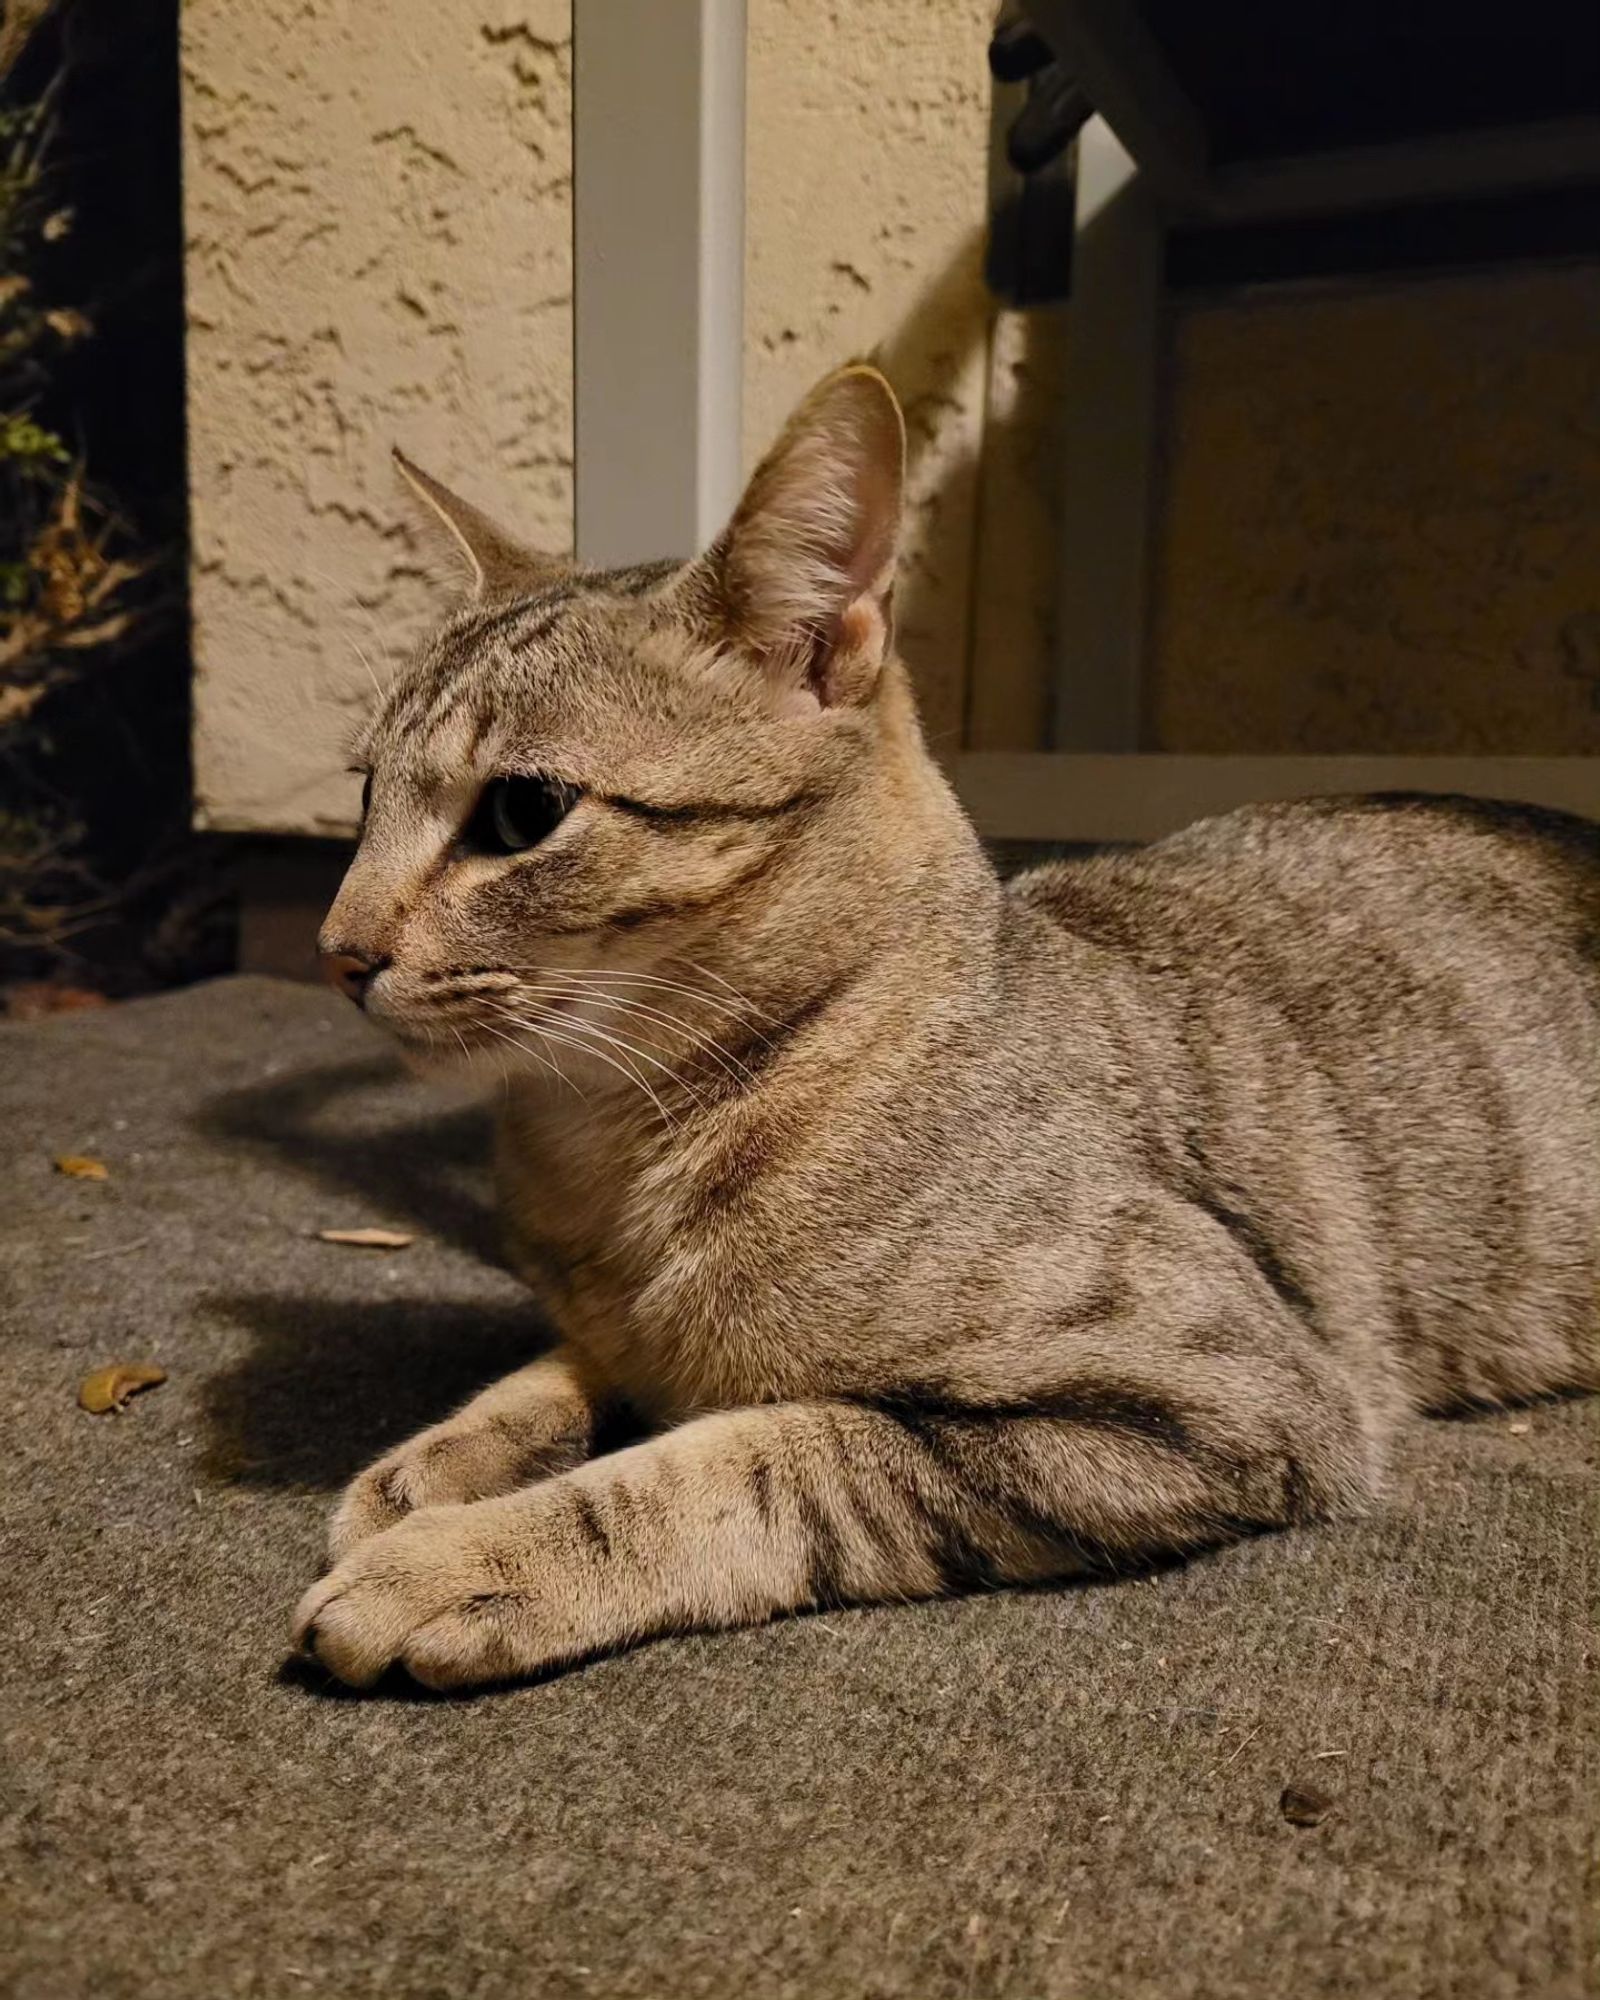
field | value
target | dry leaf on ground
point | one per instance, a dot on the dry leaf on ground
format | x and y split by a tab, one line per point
366	1239
109	1388
81	1168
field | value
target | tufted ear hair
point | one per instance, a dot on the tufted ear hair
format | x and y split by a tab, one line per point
497	564
804	571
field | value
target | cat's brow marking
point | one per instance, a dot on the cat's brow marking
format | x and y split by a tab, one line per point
707	809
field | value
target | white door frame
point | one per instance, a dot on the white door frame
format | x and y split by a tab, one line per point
658	273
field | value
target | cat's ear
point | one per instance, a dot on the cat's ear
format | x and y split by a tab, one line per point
805	568
495	561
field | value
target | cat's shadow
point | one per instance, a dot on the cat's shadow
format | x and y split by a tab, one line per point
330	1381
328	1384
341	1126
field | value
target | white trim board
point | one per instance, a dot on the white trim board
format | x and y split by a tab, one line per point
1056	796
658	273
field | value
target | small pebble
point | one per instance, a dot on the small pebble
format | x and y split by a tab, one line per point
1304	1805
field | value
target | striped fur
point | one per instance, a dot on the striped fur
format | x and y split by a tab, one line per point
935	1234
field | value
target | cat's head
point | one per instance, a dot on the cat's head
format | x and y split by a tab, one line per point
591	791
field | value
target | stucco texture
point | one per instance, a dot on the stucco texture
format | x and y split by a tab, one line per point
1381	525
379	222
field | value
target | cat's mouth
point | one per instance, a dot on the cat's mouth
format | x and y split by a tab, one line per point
438	1016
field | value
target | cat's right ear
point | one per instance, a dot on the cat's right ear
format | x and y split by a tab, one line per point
804	571
496	563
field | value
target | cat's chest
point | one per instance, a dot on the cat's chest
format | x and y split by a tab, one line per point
667	1278
564	1203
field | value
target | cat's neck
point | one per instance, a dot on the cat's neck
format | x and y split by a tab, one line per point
897	884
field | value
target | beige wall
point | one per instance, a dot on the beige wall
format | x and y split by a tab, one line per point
379	218
1381	524
379	251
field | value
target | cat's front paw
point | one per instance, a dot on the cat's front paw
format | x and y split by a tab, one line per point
449	1465
437	1595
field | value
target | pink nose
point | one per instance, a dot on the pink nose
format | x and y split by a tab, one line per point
350	974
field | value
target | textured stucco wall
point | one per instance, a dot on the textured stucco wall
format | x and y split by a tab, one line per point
378	208
379	219
1381	526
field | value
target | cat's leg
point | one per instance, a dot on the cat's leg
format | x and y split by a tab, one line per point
734	1517
527	1426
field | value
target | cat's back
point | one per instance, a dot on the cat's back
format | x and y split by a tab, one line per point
1403	869
1390	1003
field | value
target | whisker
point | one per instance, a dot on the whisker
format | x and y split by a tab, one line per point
601	974
629	1057
377	685
625	1003
554	1067
576	1024
544	1029
571	1082
705	972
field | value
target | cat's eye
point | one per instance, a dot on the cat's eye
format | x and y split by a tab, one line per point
514	814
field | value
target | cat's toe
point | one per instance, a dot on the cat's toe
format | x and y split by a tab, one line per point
335	1632
448	1466
471	1645
369	1506
363	1616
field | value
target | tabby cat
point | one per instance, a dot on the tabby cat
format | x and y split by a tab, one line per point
927	1232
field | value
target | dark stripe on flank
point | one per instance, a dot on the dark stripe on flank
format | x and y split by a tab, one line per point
1258	1247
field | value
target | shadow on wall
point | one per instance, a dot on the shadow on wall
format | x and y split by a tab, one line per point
976	598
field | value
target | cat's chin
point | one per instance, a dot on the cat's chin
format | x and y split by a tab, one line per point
470	1057
426	1052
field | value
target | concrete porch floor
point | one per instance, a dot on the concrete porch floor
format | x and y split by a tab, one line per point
1051	1793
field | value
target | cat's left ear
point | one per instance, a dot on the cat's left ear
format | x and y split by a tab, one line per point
804	571
496	563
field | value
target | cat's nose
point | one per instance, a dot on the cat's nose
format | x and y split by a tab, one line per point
350	973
